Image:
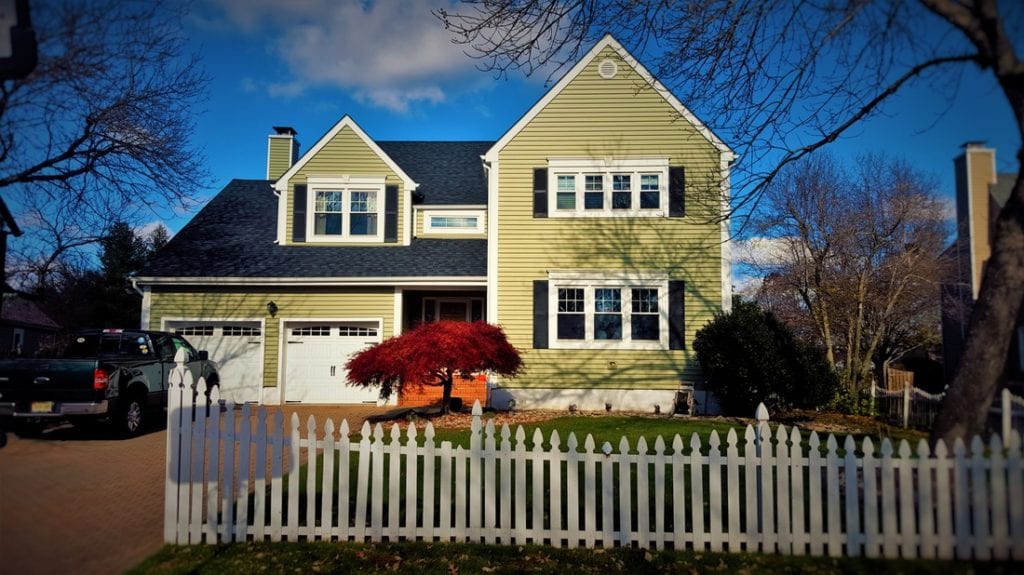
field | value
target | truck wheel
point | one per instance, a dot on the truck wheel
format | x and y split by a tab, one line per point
132	417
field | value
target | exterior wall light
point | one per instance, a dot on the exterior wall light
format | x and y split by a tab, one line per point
272	308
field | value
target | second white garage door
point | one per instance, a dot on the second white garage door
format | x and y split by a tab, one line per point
315	357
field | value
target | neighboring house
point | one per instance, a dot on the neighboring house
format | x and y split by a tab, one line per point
593	232
980	195
24	328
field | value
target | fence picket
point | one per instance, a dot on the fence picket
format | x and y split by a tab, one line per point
393	451
964	505
325	531
242	495
798	529
714	492
697	494
227	503
309	527
625	497
853	538
979	500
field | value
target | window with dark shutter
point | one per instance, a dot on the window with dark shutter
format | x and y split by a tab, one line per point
390	214
540	314
676	191
676	314
299	213
540	192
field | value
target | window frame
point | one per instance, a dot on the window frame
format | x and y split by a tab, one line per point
347	185
428	227
625	283
635	168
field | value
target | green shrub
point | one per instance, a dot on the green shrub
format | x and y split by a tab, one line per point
750	357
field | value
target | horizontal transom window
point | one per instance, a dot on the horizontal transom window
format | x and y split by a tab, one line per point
453	221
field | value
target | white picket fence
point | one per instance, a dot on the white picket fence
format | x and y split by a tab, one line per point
914	407
229	480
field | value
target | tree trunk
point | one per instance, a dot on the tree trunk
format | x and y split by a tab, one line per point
993	319
446	394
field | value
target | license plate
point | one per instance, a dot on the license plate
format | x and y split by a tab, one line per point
42	407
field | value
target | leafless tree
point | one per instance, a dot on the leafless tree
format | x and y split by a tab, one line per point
861	252
100	131
780	79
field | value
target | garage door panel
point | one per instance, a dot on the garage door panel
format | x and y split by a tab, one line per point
237	349
316	355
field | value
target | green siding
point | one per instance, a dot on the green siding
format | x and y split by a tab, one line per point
278	156
293	304
595	117
346	154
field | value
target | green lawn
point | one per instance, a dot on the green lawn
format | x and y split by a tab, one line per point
453	559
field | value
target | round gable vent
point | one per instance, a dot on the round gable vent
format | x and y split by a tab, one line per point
607	69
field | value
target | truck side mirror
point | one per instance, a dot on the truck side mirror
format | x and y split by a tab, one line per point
203	355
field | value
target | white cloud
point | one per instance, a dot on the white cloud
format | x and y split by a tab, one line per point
388	53
761	251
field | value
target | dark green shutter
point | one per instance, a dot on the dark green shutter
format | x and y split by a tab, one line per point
540	314
299	213
391	214
676	191
540	192
676	306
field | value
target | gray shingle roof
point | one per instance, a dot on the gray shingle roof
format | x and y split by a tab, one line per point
447	172
233	236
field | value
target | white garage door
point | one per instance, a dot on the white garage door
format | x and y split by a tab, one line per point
237	349
315	359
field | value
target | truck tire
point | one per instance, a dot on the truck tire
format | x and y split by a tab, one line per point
131	419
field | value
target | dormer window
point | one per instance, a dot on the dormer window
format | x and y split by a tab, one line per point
346	209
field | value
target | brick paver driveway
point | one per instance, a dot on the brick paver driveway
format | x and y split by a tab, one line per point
77	502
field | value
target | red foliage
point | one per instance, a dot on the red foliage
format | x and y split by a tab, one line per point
435	352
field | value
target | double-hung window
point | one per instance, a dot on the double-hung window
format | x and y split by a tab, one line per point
345	209
594	187
608	312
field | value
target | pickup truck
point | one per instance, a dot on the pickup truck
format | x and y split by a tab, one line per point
113	375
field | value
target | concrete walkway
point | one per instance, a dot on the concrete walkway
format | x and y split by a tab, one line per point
79	502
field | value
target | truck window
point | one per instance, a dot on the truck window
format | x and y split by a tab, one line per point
134	345
190	351
166	347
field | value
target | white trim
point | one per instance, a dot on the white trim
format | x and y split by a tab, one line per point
726	252
399	316
585	398
428	227
347	185
492	169
607	41
437	301
405	281
407	217
346	121
147	305
595	280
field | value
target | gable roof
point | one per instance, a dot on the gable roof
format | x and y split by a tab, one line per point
606	42
232	239
18	310
448	173
346	122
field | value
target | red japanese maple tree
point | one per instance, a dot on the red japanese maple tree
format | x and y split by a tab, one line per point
435	354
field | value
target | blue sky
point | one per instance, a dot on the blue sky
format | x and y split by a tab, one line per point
307	63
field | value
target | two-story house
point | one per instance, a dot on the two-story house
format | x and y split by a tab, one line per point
593	231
